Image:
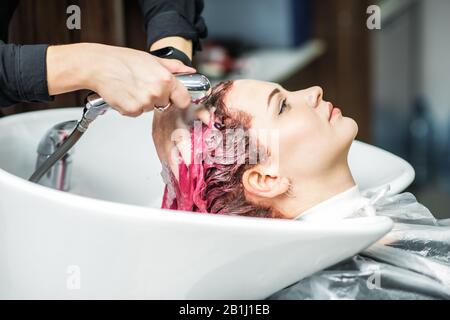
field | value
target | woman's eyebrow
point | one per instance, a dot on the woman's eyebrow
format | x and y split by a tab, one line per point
271	95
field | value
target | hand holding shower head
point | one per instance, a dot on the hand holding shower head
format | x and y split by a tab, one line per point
198	86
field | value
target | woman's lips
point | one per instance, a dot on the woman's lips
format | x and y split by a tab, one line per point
335	112
332	111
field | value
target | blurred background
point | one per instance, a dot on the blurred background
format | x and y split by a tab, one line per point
394	81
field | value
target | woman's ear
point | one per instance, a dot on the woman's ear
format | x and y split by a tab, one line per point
257	182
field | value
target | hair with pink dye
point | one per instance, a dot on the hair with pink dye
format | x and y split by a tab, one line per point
215	187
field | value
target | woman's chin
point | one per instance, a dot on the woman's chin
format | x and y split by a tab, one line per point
353	127
346	124
346	131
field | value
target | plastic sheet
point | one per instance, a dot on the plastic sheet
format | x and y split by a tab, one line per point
410	262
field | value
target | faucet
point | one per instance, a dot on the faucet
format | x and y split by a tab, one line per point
58	176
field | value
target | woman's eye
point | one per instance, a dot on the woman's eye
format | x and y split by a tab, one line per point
283	106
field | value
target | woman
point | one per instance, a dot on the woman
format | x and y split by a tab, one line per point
303	174
295	181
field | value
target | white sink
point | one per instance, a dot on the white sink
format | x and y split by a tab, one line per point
108	238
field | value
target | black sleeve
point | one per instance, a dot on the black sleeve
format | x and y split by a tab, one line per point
23	74
168	18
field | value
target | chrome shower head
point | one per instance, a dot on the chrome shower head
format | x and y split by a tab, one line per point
198	85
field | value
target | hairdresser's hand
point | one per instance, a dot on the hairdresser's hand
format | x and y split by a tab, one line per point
131	81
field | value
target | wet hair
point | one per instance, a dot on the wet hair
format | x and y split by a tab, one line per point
216	186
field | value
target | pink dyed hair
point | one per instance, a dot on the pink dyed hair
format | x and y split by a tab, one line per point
215	187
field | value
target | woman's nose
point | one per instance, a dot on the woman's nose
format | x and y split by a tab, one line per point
314	96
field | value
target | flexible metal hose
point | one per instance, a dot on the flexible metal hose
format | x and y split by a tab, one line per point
57	155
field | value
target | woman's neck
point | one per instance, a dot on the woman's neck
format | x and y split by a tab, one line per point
310	191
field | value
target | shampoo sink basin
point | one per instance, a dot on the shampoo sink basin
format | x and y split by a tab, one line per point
107	238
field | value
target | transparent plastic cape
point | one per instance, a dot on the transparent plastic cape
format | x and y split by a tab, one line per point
410	262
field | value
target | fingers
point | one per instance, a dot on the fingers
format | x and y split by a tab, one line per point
140	85
175	66
167	89
146	98
157	96
130	107
179	96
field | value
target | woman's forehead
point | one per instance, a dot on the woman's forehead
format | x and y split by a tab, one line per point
249	94
252	85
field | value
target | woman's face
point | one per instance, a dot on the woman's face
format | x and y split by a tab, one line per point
312	135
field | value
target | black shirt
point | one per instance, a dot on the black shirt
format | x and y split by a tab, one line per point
23	70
